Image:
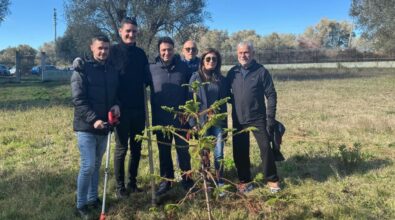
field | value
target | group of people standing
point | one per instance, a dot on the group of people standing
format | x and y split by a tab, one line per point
114	79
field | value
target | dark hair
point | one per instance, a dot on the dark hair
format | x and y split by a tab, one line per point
217	70
165	40
128	20
100	37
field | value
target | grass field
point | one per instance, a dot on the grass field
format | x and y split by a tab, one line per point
339	145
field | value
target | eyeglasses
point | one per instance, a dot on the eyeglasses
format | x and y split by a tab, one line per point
189	49
208	59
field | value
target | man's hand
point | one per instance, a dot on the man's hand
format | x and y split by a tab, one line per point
270	123
78	64
99	124
116	111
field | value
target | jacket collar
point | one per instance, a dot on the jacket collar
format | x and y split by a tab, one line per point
96	63
127	45
196	60
170	66
250	66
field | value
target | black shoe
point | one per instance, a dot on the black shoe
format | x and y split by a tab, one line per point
163	188
83	212
95	204
121	193
187	184
134	189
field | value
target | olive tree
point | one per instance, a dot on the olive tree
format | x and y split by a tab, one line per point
4	9
154	17
376	20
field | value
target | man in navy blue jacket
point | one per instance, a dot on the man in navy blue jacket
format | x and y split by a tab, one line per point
189	52
250	84
168	73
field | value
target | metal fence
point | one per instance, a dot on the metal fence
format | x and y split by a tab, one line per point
283	56
19	65
22	69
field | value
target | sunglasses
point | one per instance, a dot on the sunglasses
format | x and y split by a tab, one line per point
189	49
208	59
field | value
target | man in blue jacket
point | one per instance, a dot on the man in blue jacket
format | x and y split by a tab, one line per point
189	52
250	84
168	73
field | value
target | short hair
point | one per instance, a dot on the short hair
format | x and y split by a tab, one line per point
100	37
128	20
246	43
193	42
165	40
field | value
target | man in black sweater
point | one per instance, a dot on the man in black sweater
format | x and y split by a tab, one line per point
132	64
168	73
250	84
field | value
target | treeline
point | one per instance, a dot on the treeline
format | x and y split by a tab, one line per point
328	40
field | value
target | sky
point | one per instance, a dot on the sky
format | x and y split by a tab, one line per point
31	21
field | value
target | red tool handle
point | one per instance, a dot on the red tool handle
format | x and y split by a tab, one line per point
112	119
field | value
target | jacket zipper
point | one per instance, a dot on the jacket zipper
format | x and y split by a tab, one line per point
242	113
105	88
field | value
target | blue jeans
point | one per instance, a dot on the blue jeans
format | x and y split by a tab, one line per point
218	149
92	148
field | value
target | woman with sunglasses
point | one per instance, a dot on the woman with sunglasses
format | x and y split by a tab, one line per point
216	89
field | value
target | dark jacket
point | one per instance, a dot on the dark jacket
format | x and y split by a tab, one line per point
94	92
249	92
208	94
166	90
132	64
193	65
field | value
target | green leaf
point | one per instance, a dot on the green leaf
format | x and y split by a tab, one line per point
171	207
259	178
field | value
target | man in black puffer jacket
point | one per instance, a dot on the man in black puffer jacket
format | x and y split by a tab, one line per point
94	94
250	84
168	73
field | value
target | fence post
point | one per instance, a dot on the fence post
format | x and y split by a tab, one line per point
43	58
18	66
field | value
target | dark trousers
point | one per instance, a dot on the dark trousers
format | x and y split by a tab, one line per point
132	122
165	160
241	152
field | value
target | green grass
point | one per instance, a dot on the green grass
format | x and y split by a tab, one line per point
339	145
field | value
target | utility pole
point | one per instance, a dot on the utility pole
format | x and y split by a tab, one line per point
54	42
54	22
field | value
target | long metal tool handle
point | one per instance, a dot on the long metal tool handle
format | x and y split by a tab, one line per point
103	208
150	155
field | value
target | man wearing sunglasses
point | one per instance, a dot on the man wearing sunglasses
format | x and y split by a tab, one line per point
189	52
250	85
